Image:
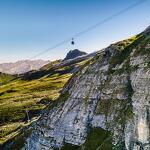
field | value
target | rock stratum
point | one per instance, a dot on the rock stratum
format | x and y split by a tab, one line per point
104	106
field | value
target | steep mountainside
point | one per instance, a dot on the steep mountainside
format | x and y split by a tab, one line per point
21	67
105	105
74	53
32	92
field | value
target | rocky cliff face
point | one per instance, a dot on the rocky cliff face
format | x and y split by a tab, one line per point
106	105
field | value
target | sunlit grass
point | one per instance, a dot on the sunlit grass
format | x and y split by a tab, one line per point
17	95
20	95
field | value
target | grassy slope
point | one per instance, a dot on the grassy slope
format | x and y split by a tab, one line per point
97	139
23	93
5	78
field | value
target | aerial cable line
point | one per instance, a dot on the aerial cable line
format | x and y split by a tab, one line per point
91	28
109	18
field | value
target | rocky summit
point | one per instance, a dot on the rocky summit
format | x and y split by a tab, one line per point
74	54
104	106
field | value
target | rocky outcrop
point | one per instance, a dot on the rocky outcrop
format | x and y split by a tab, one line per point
138	130
74	54
109	94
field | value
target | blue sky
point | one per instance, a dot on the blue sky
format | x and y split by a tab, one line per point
28	27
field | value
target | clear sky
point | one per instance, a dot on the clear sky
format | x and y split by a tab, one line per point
28	27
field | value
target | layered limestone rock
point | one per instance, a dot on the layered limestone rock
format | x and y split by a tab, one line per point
138	131
69	122
110	93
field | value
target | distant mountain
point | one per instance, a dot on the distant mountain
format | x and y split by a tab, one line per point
74	53
58	67
21	67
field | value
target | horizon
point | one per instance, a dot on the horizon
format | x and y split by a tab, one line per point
46	59
26	33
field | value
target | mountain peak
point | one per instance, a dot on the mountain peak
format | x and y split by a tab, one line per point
147	30
74	53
